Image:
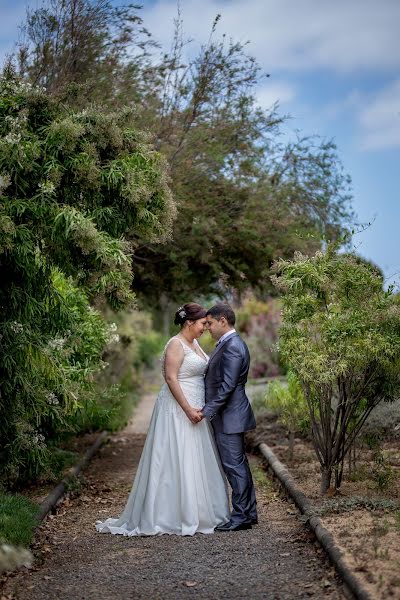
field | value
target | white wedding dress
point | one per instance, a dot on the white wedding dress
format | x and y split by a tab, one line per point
180	487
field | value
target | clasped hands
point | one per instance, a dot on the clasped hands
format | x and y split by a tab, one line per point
195	415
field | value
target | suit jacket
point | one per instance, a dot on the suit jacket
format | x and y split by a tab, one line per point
227	405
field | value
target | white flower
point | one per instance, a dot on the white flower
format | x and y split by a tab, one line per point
13	138
16	327
52	398
57	343
47	187
114	338
38	438
4	182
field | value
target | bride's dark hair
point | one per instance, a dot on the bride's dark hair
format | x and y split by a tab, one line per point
189	312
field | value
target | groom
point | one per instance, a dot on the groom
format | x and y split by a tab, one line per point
230	413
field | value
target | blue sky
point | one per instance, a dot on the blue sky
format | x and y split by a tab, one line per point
334	67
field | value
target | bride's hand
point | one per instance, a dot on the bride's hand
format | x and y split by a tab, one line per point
194	415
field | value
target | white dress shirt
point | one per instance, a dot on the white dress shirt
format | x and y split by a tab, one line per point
225	336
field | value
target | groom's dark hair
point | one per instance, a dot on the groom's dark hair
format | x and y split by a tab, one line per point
222	310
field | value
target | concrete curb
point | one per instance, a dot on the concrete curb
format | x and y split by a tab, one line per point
322	534
51	500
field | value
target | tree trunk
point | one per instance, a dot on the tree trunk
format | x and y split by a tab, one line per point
291	445
165	311
326	479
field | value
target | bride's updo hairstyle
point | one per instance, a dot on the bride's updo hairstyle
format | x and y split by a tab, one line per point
189	312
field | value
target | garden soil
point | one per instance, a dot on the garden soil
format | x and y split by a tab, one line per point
369	538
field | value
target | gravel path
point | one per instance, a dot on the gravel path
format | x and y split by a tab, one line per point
277	559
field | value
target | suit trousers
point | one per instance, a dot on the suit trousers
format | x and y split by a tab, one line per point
235	464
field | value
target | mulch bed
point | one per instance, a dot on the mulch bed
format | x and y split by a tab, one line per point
363	519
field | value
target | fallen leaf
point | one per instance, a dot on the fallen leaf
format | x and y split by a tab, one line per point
190	583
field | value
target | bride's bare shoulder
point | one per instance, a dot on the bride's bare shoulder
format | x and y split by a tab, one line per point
173	345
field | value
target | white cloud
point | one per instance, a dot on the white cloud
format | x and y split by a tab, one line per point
269	93
380	119
292	34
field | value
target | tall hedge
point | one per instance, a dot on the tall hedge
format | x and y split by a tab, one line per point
76	189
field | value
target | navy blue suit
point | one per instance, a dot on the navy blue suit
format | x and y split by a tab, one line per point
230	413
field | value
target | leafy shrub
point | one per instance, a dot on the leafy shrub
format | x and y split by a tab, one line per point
381	471
341	336
74	187
288	402
259	323
133	345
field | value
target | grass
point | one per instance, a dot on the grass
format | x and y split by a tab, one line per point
18	519
61	460
261	481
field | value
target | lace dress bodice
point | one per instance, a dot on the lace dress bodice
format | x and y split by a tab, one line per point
190	376
193	364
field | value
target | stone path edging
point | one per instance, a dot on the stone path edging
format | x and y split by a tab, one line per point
58	492
322	534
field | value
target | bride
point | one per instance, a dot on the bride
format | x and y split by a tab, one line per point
179	487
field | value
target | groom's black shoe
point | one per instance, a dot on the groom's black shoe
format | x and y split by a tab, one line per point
254	521
232	527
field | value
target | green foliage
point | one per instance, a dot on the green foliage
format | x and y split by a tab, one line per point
243	197
75	188
341	337
258	322
288	402
262	481
133	345
341	505
150	346
60	460
18	519
381	471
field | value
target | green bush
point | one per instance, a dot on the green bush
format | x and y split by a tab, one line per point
341	337
133	345
258	322
381	471
150	346
288	402
74	188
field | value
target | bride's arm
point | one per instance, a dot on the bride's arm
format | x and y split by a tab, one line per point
173	359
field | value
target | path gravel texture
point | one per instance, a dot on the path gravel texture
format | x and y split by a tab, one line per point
278	559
